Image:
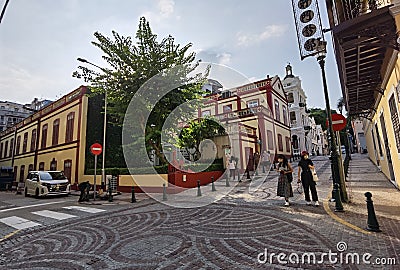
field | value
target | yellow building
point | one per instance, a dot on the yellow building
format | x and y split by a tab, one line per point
50	139
257	119
366	43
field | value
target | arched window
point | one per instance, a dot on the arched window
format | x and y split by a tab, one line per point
44	136
69	134
53	165
56	132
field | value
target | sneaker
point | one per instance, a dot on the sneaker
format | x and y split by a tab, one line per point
286	203
308	203
316	203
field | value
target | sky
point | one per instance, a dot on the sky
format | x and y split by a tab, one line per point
40	41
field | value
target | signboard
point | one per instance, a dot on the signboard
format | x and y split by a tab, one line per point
308	26
96	149
338	122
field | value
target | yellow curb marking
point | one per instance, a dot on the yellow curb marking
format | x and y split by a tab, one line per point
342	221
9	235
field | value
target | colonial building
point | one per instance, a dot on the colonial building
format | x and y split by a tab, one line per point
305	133
257	119
365	36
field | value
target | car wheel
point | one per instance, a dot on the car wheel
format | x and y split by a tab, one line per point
37	193
26	192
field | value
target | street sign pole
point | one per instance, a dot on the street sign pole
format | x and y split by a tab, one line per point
94	182
96	150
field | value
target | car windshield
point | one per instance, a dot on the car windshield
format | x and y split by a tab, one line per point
52	176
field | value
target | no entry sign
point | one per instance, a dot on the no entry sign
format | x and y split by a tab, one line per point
338	122
96	149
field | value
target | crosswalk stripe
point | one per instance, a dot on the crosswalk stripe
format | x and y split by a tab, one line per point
84	209
53	214
19	223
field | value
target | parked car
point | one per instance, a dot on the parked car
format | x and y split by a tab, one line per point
44	183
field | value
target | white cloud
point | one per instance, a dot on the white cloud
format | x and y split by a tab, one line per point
165	7
224	58
270	31
164	10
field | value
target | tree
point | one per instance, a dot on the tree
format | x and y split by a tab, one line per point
319	116
195	132
131	65
340	104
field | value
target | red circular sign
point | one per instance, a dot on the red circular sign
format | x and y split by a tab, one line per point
96	149
338	122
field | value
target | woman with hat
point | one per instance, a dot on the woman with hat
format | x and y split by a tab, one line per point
306	178
285	178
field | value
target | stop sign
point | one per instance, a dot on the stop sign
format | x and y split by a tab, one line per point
96	149
338	122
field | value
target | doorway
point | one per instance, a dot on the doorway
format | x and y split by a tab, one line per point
386	143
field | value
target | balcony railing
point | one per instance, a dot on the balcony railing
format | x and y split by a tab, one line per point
350	9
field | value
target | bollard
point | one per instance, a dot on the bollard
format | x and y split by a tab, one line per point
133	200
227	181
338	201
372	223
198	188
212	184
164	197
248	173
110	197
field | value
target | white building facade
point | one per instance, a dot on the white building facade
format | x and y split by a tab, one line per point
305	134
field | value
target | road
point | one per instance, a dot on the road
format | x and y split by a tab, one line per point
240	231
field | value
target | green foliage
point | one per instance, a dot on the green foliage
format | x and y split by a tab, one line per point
320	116
196	131
131	63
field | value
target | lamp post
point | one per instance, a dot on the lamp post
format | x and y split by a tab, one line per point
103	176
321	55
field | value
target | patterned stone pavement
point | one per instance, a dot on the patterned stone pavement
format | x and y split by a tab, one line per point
234	233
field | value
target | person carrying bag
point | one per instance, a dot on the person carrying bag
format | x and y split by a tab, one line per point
306	178
285	171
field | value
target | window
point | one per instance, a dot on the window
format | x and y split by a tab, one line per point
33	140
285	121
280	143
41	166
18	145
252	103
30	167
227	108
56	130
270	139
290	98
287	144
395	121
11	148
5	149
53	165
1	150
44	136
25	142
277	112
22	173
206	113
69	134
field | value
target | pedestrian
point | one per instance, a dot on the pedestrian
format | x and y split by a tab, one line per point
232	168
266	161
84	188
256	158
285	171
306	179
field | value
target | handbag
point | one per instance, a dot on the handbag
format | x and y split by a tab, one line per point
314	175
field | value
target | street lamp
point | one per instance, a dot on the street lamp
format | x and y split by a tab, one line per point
103	176
321	55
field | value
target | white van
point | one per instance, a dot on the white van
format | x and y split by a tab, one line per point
44	183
